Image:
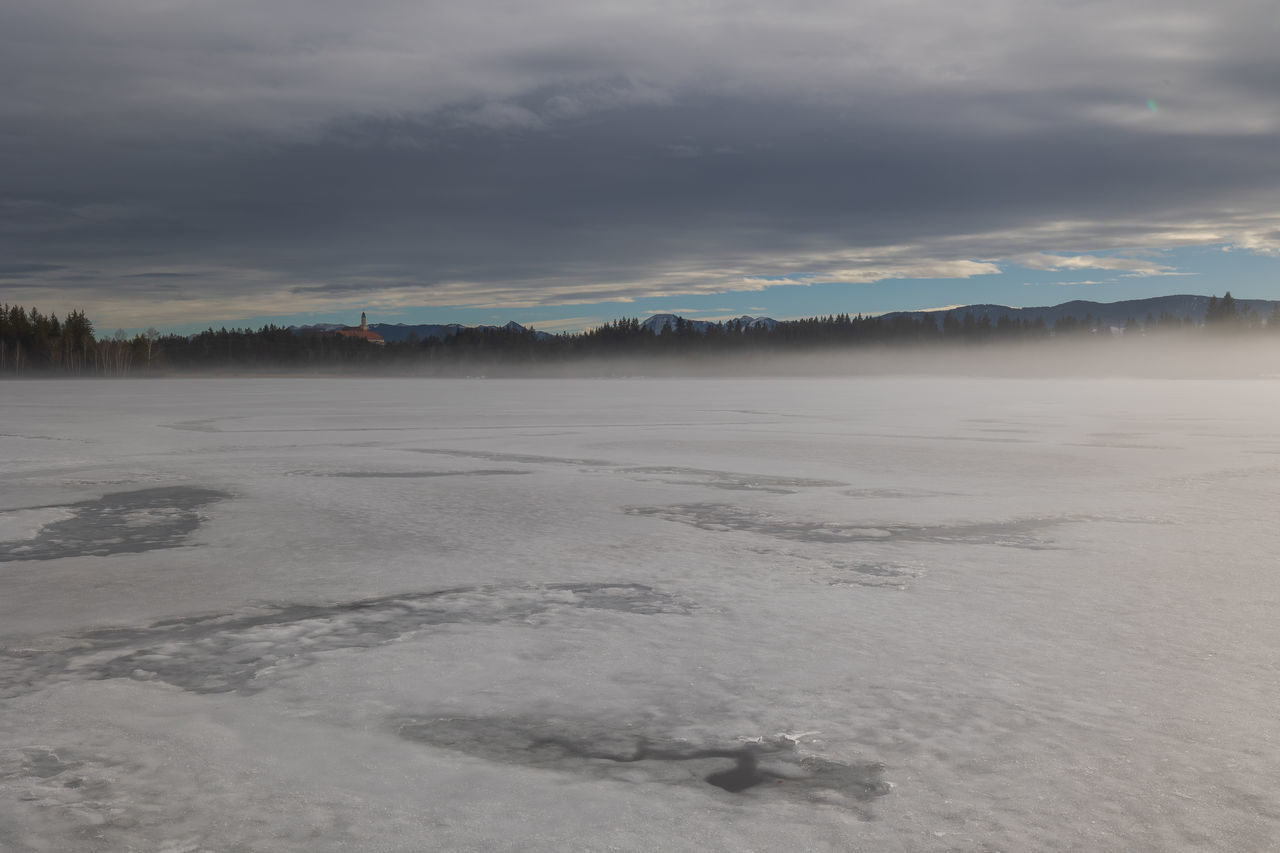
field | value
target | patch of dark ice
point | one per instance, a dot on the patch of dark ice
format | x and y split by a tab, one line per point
198	425
880	493
229	652
1017	533
412	475
680	476
494	456
872	574
672	474
117	523
631	753
42	763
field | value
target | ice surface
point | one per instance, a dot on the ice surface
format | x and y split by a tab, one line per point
21	524
866	614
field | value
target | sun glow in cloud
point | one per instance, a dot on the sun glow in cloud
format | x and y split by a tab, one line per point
1129	266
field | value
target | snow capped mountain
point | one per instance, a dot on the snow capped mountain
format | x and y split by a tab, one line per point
749	322
513	327
660	323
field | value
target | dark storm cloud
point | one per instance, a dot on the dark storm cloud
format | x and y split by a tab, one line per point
21	270
566	153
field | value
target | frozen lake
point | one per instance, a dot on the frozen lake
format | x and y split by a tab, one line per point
868	614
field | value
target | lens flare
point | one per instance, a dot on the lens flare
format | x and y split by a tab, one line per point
1151	105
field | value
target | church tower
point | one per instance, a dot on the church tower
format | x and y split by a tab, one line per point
364	324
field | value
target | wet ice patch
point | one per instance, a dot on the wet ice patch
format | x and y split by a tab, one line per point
34	437
527	458
891	575
198	425
821	568
1018	533
681	476
233	652
43	763
416	475
894	494
677	475
424	474
62	788
116	523
640	754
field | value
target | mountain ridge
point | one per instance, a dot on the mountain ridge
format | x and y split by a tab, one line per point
1180	307
397	332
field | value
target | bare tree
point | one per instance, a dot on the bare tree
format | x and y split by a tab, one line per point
151	335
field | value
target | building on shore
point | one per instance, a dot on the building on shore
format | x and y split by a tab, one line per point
363	332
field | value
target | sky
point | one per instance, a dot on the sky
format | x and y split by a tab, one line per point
193	163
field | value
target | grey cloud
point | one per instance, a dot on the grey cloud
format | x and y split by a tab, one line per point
19	270
246	66
547	154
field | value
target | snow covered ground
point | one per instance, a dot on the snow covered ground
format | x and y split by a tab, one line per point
870	614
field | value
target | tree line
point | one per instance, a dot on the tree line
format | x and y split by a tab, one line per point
32	342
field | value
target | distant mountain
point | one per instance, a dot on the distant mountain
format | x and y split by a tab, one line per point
513	326
394	332
1181	307
402	332
659	323
319	327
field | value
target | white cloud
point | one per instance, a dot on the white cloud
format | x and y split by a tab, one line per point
500	116
1264	241
1129	265
937	309
1068	283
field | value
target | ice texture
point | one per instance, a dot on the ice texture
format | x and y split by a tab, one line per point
882	614
116	523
